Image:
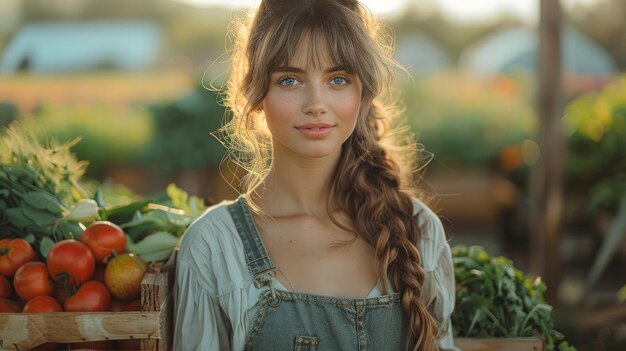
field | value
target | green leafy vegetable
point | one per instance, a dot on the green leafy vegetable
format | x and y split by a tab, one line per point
192	205
157	246
38	185
156	220
493	299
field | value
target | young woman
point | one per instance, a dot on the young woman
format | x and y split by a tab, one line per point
329	246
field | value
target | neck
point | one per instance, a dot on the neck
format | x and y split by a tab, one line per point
296	185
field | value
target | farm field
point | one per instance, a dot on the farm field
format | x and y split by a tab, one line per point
116	89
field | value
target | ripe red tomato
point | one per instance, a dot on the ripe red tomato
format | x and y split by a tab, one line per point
42	303
92	296
9	306
5	288
71	262
99	274
117	305
13	254
31	280
103	238
134	305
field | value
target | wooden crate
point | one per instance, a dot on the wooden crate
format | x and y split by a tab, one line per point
500	344
22	331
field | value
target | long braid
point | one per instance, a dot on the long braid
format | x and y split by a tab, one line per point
382	214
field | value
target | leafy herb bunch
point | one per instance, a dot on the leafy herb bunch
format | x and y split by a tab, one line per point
494	299
38	186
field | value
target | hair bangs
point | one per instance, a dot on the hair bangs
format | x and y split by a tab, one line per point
327	41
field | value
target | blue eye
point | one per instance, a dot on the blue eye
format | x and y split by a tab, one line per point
288	81
339	81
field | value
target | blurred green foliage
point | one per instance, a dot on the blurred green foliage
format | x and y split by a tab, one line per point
169	137
467	121
8	113
182	128
596	141
109	135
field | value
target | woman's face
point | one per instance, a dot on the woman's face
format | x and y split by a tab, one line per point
311	111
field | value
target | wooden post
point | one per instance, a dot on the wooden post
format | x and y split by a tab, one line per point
545	215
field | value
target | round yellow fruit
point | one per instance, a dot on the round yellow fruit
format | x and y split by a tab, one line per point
123	275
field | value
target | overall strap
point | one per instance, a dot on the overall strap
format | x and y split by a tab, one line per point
257	258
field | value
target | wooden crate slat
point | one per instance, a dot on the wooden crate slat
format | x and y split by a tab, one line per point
20	331
150	292
499	344
164	321
151	325
27	330
155	296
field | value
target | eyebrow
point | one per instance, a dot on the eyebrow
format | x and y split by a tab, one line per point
302	71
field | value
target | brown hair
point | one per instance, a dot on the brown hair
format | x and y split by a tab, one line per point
373	183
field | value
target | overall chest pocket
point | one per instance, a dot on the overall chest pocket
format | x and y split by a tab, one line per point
306	343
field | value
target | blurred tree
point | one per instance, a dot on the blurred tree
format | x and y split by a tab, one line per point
68	10
8	114
183	148
596	166
182	139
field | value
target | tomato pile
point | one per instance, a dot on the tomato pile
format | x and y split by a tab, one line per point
93	274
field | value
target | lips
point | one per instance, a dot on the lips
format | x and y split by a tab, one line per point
315	126
315	130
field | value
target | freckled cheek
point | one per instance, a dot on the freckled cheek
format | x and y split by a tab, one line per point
348	108
279	110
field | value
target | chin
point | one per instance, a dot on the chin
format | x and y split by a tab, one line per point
318	152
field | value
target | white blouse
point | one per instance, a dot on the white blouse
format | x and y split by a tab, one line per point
215	296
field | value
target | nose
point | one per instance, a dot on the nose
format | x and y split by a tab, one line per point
315	104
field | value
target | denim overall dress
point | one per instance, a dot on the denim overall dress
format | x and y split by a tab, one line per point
297	321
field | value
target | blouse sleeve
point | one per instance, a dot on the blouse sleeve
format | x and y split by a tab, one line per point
199	322
439	286
445	292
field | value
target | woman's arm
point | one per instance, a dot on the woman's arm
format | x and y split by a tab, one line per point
445	293
439	286
199	323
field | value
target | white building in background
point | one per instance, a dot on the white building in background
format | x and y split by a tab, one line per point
420	54
70	47
515	50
